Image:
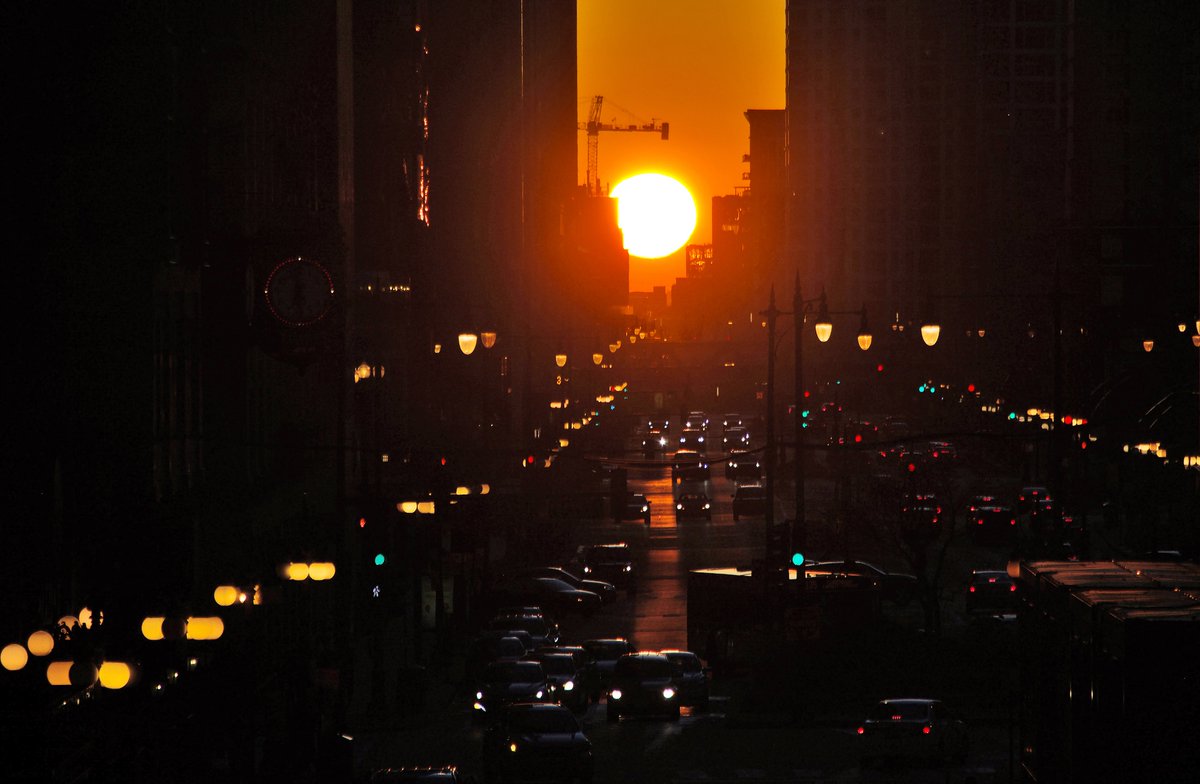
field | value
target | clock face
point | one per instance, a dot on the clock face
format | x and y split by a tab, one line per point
299	292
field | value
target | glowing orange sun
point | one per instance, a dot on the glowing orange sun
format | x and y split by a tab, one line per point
656	214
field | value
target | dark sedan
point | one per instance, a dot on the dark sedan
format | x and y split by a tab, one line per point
536	741
642	684
566	679
691	678
605	590
604	655
693	505
508	682
896	587
609	562
635	507
912	729
556	595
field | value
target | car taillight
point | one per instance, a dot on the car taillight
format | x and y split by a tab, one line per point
1012	522
979	521
925	729
1012	588
991	579
861	730
971	589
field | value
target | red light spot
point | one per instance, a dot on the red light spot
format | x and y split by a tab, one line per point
897	717
925	729
971	589
879	368
529	460
1012	588
970	387
858	438
807	393
1083	444
991	579
362	522
911	468
861	730
1068	420
979	521
443	461
1012	522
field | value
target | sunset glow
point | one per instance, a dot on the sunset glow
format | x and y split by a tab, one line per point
656	214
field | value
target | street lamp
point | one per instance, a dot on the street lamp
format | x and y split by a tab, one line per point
597	359
467	342
823	327
930	333
488	339
864	334
560	359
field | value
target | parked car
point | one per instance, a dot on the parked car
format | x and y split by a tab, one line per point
437	774
566	678
689	466
536	741
912	729
611	563
897	587
642	684
750	499
635	507
604	653
691	678
557	595
991	590
507	682
689	505
605	590
743	465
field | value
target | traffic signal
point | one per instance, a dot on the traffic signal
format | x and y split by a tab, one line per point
797	559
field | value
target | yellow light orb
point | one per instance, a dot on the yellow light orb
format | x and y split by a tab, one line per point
425	507
59	673
321	570
206	628
14	657
656	214
823	329
930	333
408	507
467	342
296	571
85	618
1148	345
40	643
225	595
152	628
864	340
115	675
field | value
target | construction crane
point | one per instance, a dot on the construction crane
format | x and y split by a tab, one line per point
593	126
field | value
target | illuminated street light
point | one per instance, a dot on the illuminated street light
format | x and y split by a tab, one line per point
1148	345
823	327
597	359
488	339
930	333
560	360
467	342
864	332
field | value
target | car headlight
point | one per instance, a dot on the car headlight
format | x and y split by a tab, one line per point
479	695
512	747
700	439
706	506
539	694
662	442
645	509
568	686
615	694
587	570
479	707
668	693
679	507
628	568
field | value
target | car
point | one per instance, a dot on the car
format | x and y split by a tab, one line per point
693	505
611	562
697	420
660	423
735	437
691	678
749	499
541	631
565	677
942	450
604	653
983	499
555	594
732	420
605	590
993	524
693	440
489	647
992	591
436	774
655	443
635	507
1028	497
589	676
642	684
506	682
897	587
912	729
689	465
536	741
743	465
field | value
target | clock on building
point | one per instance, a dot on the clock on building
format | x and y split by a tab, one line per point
299	292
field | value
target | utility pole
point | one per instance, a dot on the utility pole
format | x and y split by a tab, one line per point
797	539
772	314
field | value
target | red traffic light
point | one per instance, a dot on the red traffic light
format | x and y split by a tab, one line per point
879	368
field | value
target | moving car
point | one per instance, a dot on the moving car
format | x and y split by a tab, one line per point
507	682
689	505
589	677
732	420
1029	496
693	440
691	678
912	729
566	678
994	524
743	465
605	653
642	684
660	423
555	594
749	499
611	563
896	587
689	466
735	437
541	631
635	507
697	420
991	591
536	741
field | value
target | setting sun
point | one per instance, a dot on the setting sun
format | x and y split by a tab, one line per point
656	214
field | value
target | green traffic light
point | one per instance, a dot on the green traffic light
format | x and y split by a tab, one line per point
1012	415
921	388
379	559
797	559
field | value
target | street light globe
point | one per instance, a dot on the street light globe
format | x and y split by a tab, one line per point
40	643
467	342
1182	326
824	329
930	333
597	359
864	340
1196	341
14	657
1148	345
560	360
488	339
437	348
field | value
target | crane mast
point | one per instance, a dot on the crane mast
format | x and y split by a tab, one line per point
594	126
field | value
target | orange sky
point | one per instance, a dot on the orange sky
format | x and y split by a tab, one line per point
697	64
